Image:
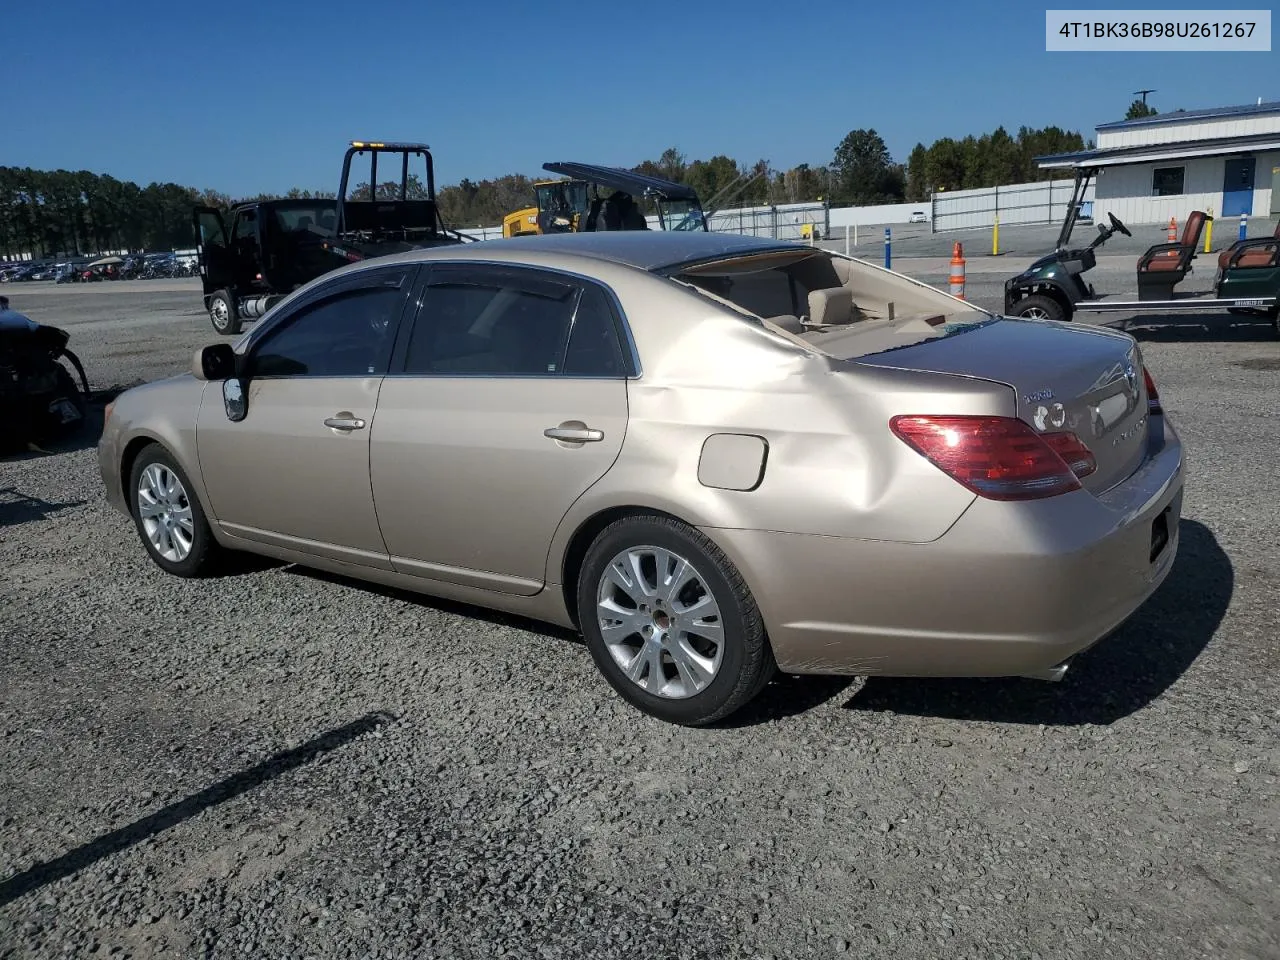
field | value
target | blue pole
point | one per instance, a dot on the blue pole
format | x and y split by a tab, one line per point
1243	218
888	254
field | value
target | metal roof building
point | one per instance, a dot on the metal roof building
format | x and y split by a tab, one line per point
1225	160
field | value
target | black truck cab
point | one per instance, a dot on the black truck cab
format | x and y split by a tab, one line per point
263	250
269	248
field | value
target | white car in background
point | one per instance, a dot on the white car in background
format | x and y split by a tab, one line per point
918	216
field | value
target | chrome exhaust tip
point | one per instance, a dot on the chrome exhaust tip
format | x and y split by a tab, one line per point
1052	675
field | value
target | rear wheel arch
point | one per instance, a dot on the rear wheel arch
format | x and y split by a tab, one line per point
590	528
736	658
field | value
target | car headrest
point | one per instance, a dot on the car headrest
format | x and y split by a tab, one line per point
830	305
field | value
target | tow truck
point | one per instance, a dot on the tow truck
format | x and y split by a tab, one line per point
272	247
1246	281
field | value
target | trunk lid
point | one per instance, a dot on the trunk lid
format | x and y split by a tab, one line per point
1084	379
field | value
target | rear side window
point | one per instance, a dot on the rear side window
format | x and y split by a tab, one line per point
503	322
594	350
297	219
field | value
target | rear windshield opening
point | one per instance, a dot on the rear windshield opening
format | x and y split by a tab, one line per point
811	291
777	286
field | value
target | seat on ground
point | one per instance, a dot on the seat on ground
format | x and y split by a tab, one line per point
587	222
610	215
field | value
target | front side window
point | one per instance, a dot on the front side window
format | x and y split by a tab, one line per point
212	233
346	334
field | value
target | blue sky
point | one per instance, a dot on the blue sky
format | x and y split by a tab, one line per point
261	96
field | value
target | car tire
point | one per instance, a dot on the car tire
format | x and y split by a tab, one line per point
1039	307
223	313
714	677
182	527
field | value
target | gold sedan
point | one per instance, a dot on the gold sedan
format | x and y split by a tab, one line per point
716	456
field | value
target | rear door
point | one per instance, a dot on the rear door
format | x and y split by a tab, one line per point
505	403
213	249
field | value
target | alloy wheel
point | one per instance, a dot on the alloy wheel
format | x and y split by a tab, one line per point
660	622
165	512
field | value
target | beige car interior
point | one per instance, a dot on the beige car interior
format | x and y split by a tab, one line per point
844	299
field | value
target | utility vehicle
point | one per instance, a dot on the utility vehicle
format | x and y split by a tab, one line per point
1247	279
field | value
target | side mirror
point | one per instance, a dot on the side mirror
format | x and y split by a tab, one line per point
214	362
234	399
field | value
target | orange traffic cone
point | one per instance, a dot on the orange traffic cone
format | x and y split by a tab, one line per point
957	270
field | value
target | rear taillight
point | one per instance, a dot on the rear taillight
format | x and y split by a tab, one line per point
1072	451
1153	395
1000	458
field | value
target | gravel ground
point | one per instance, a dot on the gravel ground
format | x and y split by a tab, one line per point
277	763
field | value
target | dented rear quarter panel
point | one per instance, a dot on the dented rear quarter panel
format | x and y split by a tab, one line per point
833	467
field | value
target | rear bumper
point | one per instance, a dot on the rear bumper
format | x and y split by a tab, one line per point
1012	589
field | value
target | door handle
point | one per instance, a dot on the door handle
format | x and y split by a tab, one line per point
344	423
574	434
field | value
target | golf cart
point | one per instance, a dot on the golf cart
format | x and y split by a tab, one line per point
272	247
1053	288
575	205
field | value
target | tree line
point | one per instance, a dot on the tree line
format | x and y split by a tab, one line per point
47	213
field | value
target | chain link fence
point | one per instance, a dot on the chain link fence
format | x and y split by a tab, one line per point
1043	202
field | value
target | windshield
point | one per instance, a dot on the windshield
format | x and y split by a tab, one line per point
322	214
683	215
562	198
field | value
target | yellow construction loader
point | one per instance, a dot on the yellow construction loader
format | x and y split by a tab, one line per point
561	204
576	205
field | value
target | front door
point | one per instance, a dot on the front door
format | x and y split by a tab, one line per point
1237	187
507	401
213	249
294	472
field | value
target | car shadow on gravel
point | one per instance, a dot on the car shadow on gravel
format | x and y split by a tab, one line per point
1118	677
17	507
140	830
455	607
785	696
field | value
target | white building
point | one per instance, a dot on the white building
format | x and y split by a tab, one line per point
1224	160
